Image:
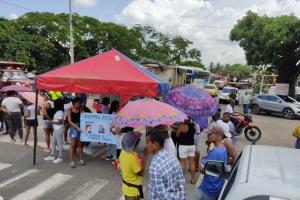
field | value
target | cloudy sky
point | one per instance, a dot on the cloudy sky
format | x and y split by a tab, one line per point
205	22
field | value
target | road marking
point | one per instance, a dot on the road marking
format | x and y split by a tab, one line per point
44	187
18	177
88	190
4	166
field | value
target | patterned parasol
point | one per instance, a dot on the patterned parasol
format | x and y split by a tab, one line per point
147	112
193	101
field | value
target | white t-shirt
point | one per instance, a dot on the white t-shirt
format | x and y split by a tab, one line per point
170	147
67	107
229	109
246	99
31	110
59	115
12	104
119	140
225	127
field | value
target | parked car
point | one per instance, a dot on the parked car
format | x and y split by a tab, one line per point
272	103
224	95
211	89
220	83
260	173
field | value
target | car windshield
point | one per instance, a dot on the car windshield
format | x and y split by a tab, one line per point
209	87
287	99
227	90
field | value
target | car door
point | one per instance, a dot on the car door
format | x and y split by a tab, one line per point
263	101
274	103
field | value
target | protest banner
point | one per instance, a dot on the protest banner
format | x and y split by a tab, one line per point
95	127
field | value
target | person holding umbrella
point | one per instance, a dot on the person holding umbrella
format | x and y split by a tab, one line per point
131	167
185	134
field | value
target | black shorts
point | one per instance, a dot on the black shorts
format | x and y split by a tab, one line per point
30	122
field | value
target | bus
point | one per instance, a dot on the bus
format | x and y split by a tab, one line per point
196	76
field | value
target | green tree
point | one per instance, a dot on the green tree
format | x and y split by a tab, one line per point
239	71
271	41
42	41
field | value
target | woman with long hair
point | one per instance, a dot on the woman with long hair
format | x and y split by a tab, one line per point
74	122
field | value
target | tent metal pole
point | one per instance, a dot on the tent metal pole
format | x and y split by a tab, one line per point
35	128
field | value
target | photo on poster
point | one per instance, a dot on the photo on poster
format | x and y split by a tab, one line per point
101	129
89	127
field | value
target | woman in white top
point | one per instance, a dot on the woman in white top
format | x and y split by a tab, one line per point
58	132
29	115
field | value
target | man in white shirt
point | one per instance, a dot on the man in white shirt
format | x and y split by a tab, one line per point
246	102
11	106
230	107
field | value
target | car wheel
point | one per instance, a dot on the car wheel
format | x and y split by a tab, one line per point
288	113
255	109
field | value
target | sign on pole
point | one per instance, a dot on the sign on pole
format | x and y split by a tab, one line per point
95	127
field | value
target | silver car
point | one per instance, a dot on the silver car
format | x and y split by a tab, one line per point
260	173
271	103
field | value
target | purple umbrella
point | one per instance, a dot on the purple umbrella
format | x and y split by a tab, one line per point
193	101
16	88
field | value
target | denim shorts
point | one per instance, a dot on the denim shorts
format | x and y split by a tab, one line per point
47	125
74	133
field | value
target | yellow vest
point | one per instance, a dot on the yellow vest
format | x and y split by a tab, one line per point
55	95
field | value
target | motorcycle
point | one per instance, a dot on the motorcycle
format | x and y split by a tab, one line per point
244	124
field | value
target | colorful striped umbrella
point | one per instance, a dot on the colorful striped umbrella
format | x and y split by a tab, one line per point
147	112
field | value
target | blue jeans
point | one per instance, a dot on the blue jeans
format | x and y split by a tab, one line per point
297	145
199	195
246	109
112	151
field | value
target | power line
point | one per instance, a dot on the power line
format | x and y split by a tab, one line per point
15	5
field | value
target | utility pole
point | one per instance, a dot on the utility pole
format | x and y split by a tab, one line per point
71	33
261	84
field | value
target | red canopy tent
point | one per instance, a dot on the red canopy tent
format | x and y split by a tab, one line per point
107	73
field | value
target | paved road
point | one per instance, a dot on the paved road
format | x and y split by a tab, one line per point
97	180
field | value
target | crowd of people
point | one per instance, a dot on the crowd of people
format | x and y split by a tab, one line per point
174	150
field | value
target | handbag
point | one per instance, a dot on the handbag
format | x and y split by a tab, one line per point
296	132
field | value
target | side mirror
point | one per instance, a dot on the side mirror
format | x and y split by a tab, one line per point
278	101
215	169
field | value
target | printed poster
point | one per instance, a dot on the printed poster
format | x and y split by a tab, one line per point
95	127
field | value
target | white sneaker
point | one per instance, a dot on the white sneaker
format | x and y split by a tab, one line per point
58	160
49	158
